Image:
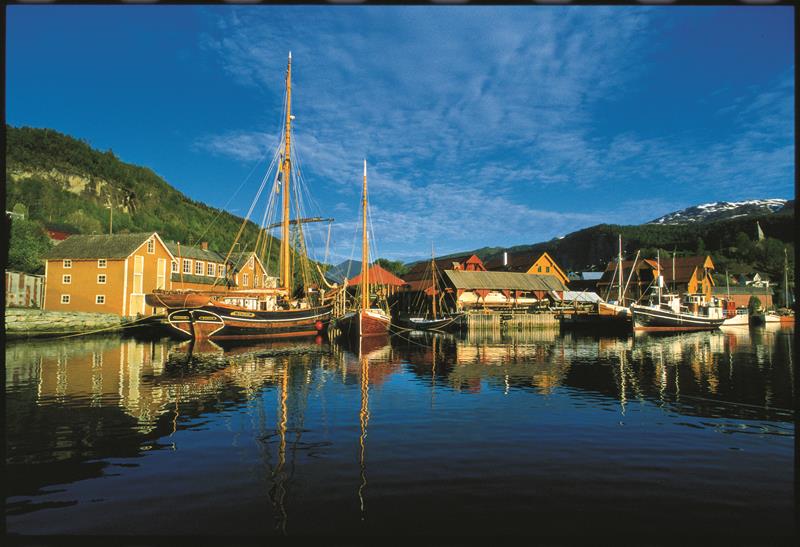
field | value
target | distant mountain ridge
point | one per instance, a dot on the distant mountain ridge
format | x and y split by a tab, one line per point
718	232
721	210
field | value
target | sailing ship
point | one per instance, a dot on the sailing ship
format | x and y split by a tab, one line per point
436	322
617	310
365	320
666	311
255	313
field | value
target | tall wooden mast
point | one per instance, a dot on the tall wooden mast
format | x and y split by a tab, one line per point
364	248
285	258
619	281
433	280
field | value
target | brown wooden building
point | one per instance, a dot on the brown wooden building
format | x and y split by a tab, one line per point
417	292
197	268
530	263
106	273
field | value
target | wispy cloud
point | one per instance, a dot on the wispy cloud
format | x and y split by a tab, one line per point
479	124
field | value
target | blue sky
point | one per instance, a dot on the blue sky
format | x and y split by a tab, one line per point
482	126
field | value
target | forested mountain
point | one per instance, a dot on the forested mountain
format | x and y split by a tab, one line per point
62	183
733	243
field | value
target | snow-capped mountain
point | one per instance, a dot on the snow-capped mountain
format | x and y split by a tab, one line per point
720	210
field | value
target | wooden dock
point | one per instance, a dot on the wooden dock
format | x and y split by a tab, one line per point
504	320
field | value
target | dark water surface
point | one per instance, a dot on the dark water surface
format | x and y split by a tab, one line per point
537	433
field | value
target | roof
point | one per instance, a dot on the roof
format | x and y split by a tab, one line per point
591	276
58	235
378	276
580	296
521	261
445	263
504	280
196	253
116	246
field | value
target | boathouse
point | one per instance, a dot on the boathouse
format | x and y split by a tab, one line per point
106	273
417	293
381	281
503	290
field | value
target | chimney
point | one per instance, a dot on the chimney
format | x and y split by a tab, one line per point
204	245
505	258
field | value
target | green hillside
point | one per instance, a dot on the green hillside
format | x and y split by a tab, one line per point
732	243
62	183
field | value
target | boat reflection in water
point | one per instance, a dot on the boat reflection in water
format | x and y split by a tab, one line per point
296	438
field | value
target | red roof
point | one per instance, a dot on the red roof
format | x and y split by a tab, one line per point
57	235
378	276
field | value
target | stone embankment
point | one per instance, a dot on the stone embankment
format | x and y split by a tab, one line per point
34	322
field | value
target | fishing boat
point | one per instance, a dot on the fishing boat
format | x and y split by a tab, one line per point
436	321
667	312
616	310
365	319
256	313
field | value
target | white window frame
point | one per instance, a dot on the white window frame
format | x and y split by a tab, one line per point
211	269
221	270
151	246
66	279
199	267
103	282
102	263
100	299
65	299
187	266
66	264
175	268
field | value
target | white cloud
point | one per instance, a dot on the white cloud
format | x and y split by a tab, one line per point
472	117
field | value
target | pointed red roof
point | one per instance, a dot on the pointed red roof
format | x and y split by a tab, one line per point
378	276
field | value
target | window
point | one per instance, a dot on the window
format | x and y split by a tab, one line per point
539	270
210	269
65	299
547	269
67	263
246	279
174	266
101	279
187	266
66	279
255	280
250	262
151	246
198	268
221	271
100	299
101	263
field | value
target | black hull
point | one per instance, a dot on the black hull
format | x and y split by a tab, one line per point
446	323
591	322
225	322
645	318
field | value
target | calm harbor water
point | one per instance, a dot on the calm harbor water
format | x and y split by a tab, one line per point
535	433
